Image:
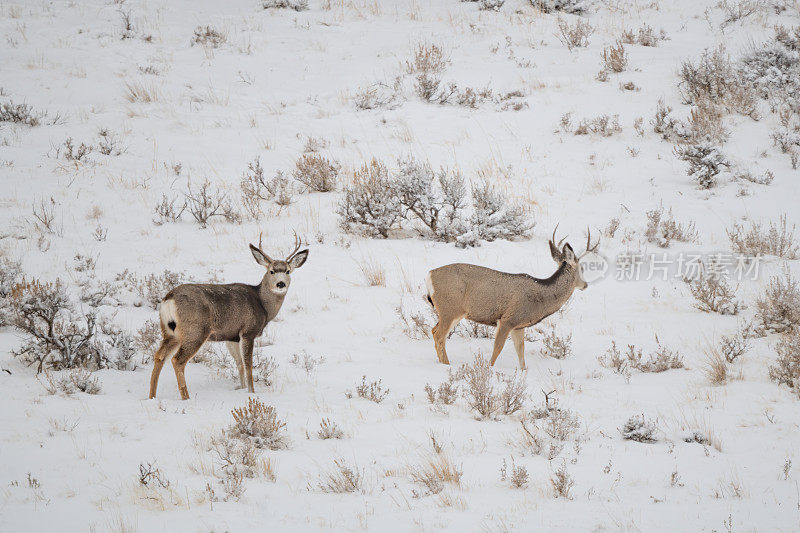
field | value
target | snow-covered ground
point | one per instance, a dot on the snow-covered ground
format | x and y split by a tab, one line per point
72	462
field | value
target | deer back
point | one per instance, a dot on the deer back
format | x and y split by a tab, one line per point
221	312
486	296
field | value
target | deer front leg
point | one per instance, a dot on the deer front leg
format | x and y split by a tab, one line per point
246	350
500	337
233	347
518	336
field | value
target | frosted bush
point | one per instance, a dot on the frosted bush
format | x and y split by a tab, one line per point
778	307
296	5
576	7
494	217
370	203
638	429
777	240
786	370
705	161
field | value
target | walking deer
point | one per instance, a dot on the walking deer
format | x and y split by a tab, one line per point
511	302
235	313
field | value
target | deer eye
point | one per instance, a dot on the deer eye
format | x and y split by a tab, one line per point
271	271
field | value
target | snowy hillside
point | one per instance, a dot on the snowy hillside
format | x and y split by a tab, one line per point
144	144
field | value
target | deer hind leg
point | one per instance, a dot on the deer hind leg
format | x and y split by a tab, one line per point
500	337
233	347
518	336
246	349
166	350
185	353
440	332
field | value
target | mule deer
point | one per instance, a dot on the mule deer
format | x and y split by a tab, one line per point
511	302
236	313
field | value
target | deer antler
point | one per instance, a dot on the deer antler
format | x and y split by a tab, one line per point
261	249
297	243
589	247
553	238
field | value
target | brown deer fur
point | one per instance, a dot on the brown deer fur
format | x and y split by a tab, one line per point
511	302
236	313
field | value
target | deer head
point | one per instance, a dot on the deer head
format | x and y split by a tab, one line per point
567	255
277	277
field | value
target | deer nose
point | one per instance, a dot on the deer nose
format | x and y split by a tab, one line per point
280	285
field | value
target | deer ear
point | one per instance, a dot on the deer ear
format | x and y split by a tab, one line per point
259	256
298	259
569	254
554	253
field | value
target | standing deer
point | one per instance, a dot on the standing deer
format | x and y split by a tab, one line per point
236	313
511	302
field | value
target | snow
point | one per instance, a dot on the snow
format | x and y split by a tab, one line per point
72	462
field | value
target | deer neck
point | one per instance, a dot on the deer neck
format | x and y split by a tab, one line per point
272	302
559	288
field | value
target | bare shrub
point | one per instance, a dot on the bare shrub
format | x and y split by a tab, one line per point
639	429
329	430
148	337
417	320
167	211
714	79
316	173
70	152
660	360
20	114
556	346
488	392
76	380
705	160
207	202
576	36
663	230
428	57
518	478
295	5
372	391
614	360
602	125
615	59
208	36
786	370
446	393
735	345
306	361
434	472
711	290
370	203
150	474
705	122
343	478
777	240
787	136
778	307
257	188
735	10
109	143
378	96
561	482
259	423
